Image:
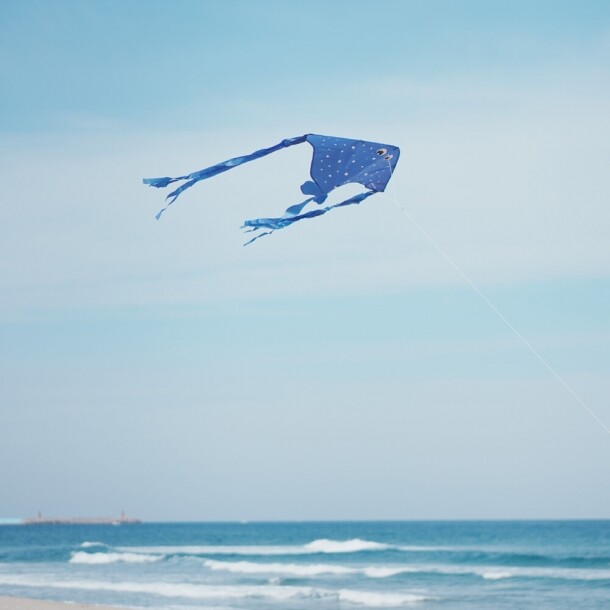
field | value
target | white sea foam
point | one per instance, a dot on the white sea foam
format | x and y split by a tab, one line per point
165	589
216	550
216	592
498	573
493	572
323	545
380	600
305	569
344	546
103	558
284	569
88	544
486	572
387	572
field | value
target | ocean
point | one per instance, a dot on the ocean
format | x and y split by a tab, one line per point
499	565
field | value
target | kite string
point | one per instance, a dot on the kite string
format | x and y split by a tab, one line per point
502	317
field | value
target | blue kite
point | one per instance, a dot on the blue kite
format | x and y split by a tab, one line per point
335	162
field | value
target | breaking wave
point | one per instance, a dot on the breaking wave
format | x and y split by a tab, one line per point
323	545
486	572
283	569
380	600
88	544
344	546
561	573
304	570
215	550
228	592
103	558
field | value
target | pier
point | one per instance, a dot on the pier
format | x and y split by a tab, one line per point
39	519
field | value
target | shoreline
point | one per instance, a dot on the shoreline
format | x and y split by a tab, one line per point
30	603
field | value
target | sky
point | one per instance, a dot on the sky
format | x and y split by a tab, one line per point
341	368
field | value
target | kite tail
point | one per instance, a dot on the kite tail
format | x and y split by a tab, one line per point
214	170
162	182
257	236
290	218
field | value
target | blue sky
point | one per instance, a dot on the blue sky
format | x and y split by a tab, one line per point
340	368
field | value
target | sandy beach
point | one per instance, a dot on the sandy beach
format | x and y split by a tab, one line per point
22	603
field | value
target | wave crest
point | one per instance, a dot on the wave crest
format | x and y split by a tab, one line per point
285	569
104	558
88	544
380	600
306	569
355	545
212	592
323	545
486	572
215	550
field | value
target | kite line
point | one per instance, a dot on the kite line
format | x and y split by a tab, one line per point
337	162
502	317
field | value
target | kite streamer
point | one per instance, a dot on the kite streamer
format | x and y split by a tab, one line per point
335	162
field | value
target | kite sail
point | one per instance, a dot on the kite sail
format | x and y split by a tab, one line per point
335	162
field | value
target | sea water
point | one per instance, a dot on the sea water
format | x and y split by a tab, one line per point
552	565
